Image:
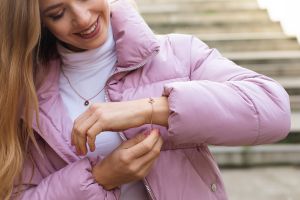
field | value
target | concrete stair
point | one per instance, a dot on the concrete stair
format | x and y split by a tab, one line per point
195	6
277	154
215	27
244	42
245	34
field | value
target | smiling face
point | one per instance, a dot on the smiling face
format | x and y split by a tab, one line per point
78	24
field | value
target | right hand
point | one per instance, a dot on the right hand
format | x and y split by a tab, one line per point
131	161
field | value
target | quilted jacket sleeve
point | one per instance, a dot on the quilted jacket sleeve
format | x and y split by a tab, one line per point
73	182
225	104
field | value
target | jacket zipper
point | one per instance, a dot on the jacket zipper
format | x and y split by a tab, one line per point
107	99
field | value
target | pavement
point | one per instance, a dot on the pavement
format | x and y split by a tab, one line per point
263	183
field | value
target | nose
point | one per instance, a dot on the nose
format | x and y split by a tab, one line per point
81	17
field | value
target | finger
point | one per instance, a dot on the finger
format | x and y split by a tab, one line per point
86	114
85	126
92	132
144	146
80	142
79	131
133	141
151	155
77	125
76	146
144	171
147	161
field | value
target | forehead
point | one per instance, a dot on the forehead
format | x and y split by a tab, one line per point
45	3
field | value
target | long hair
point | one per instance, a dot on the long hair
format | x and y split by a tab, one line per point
19	36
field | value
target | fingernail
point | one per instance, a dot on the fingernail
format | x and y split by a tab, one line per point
147	133
156	131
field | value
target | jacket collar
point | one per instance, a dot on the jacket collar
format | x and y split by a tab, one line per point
135	41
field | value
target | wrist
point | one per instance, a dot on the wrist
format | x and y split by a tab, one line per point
161	111
155	111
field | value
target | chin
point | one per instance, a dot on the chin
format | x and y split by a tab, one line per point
97	44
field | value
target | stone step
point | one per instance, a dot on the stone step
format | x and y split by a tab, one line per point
295	104
276	154
250	42
196	6
182	23
262	183
141	2
207	17
282	68
205	28
270	63
295	123
264	57
291	84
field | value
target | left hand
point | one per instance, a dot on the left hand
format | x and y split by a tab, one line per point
116	116
99	117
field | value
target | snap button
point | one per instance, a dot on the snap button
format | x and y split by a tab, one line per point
213	187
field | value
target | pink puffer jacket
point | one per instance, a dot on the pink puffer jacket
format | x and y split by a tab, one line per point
212	101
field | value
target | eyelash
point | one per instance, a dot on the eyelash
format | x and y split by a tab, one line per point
57	17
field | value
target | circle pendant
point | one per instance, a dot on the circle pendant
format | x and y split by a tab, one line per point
86	103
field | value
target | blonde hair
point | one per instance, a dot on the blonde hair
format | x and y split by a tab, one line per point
19	36
23	44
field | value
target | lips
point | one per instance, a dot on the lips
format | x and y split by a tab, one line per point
90	32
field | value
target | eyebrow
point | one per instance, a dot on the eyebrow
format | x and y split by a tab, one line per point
52	7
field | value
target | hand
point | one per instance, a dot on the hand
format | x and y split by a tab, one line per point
131	161
112	116
116	116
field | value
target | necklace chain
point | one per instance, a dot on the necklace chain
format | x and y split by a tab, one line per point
86	100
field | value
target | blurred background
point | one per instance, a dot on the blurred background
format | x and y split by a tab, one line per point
260	35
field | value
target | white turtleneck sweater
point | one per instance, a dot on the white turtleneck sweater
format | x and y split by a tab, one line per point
88	72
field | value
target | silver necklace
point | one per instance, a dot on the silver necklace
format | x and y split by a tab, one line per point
86	100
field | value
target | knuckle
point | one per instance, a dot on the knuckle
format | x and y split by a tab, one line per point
132	170
156	152
147	146
81	133
90	134
93	107
98	113
140	175
78	130
124	159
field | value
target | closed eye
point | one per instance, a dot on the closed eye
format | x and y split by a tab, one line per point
56	17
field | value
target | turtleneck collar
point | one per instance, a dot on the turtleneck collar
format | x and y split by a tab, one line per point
135	41
89	59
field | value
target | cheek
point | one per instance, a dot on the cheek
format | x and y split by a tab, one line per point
105	7
60	31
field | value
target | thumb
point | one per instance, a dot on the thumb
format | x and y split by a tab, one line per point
135	140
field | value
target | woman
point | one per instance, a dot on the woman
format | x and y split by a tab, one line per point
97	69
